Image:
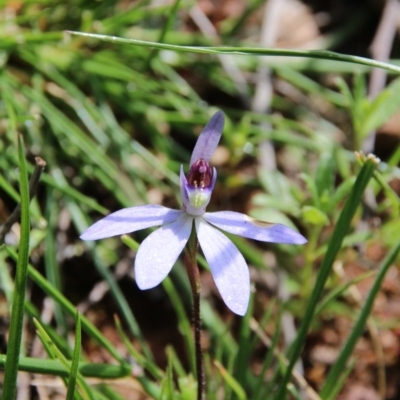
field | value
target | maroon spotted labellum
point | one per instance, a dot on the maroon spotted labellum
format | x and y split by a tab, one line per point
200	174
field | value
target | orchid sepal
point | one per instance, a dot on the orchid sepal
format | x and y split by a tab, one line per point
209	138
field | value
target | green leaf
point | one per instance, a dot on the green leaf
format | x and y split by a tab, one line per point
188	387
325	174
312	188
314	216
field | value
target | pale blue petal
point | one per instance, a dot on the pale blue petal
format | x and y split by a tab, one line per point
130	220
208	140
228	267
159	251
184	194
243	225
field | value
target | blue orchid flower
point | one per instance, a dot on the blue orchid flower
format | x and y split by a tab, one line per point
159	251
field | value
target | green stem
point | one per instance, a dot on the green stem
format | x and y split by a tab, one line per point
195	284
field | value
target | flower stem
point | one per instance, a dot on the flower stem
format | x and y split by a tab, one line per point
195	283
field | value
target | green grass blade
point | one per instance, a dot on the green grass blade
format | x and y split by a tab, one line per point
337	291
183	321
54	352
244	343
320	54
75	360
341	229
231	381
17	314
54	367
142	360
262	392
340	365
175	361
50	259
50	290
167	26
340	383
70	309
78	218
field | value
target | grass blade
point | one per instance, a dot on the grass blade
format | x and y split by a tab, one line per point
54	367
70	309
255	51
75	360
17	314
54	352
341	229
231	381
340	365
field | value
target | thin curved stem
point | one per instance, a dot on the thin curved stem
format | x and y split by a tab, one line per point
195	283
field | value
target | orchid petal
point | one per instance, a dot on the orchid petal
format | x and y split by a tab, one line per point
228	267
159	251
184	194
130	220
243	225
208	140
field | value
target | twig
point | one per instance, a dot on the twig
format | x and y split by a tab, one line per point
287	320
227	61
263	91
380	50
33	184
261	104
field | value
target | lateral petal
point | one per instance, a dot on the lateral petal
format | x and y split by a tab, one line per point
130	220
243	225
159	251
228	267
208	140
